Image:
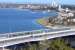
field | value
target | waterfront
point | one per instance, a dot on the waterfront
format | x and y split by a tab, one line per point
15	20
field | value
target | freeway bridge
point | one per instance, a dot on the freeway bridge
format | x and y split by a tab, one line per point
9	39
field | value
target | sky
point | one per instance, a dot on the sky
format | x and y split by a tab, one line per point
39	1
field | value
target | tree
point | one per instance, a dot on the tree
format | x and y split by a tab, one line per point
59	44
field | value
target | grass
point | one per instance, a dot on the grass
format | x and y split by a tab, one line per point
42	21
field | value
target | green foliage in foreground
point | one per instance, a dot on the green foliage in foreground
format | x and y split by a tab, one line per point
57	44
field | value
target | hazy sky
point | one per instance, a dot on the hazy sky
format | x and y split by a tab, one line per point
39	1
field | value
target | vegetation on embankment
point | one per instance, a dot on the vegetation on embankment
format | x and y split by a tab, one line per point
54	44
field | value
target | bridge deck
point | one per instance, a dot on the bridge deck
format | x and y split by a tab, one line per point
37	35
21	37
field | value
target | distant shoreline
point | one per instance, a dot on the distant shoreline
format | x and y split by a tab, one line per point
34	6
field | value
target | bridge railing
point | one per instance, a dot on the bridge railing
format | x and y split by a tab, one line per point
25	33
15	34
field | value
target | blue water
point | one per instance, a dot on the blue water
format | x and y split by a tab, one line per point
15	20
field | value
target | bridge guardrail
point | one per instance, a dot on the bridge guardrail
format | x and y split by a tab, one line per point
15	34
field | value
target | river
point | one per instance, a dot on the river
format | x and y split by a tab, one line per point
16	20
